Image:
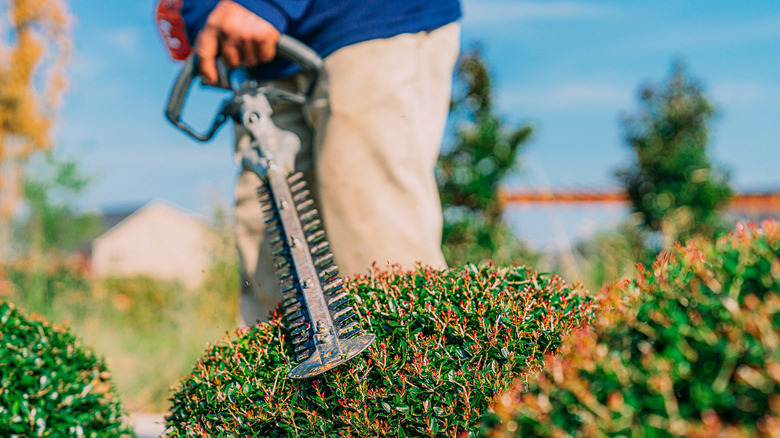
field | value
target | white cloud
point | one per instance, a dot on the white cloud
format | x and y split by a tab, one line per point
573	95
491	12
743	93
85	65
126	39
710	36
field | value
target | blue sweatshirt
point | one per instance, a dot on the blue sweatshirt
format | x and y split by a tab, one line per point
328	25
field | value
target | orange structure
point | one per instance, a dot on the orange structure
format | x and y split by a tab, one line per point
748	204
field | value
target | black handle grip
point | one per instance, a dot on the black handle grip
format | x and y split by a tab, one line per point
295	51
286	47
179	94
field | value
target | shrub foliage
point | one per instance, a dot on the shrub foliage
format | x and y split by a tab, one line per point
51	385
447	343
690	347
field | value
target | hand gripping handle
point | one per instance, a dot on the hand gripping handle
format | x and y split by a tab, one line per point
287	47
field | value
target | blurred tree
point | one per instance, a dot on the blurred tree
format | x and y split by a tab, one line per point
470	173
672	184
34	45
51	223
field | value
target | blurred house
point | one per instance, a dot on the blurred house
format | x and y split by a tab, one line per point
159	240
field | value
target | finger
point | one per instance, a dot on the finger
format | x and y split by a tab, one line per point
206	49
268	45
251	50
231	52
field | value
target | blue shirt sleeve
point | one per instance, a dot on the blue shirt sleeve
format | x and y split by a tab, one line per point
194	13
279	13
328	25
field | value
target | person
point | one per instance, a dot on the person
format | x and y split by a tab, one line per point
369	157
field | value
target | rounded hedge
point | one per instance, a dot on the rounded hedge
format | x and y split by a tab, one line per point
690	347
51	385
447	343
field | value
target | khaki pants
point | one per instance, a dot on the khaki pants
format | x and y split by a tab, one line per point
372	172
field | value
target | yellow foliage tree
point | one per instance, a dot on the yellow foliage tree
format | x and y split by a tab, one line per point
34	47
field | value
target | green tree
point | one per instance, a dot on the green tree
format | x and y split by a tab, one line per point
51	223
672	183
34	47
470	173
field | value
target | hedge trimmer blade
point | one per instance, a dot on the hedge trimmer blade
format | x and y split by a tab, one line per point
317	311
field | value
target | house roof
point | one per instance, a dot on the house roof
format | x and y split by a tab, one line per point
115	219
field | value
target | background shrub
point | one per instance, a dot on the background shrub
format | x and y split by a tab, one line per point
470	172
447	343
690	347
51	385
149	331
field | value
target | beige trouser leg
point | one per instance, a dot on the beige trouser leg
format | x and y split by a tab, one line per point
374	169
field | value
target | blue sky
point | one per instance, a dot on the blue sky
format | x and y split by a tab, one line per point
569	67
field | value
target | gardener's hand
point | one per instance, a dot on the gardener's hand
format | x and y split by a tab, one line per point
237	35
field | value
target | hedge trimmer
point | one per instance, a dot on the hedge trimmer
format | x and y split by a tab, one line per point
325	329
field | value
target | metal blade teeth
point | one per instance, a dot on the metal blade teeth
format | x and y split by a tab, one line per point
293	323
276	240
338	300
315	237
263	195
343	314
284	273
303	354
292	299
274	233
288	287
295	314
306	204
289	290
312	226
302	195
350	330
311	214
282	262
336	297
301	348
323	261
298	186
333	286
300	339
320	248
293	308
329	272
303	328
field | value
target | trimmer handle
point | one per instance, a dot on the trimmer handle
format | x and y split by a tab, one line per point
287	47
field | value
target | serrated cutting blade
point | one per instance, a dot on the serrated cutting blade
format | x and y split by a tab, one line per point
323	325
315	309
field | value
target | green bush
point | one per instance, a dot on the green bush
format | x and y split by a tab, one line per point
690	347
672	183
447	343
51	385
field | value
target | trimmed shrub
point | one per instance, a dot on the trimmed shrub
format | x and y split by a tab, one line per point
447	343
51	385
690	347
